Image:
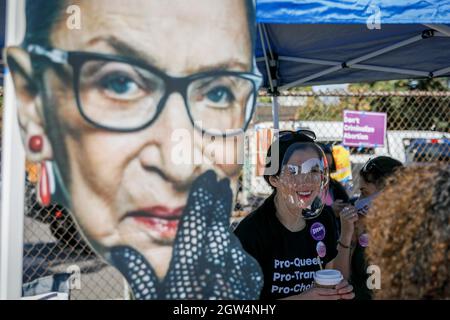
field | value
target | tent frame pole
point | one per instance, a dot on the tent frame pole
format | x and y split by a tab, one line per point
266	37
272	83
311	61
391	70
355	63
390	48
441	72
275	113
266	60
357	66
311	77
441	28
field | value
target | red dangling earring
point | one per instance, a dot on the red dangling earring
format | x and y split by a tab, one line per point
35	143
44	188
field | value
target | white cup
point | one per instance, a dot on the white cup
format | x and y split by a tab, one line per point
328	278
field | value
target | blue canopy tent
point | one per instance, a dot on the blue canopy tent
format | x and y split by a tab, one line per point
311	42
306	42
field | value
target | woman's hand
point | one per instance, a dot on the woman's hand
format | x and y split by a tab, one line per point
348	216
343	291
207	262
337	207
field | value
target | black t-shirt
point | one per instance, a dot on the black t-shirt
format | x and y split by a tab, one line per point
359	274
288	259
338	191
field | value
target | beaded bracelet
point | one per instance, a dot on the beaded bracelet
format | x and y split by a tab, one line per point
342	245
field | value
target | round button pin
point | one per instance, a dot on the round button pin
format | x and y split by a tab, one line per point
363	240
317	231
321	249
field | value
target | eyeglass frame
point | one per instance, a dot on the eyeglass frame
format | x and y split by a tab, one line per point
369	165
76	59
284	133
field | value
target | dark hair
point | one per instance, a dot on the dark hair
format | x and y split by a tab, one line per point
328	149
41	15
285	152
376	170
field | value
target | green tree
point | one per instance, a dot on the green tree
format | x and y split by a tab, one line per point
416	111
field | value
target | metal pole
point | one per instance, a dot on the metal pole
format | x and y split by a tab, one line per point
308	60
311	77
275	112
269	76
409	72
351	62
13	172
269	47
441	72
387	49
442	28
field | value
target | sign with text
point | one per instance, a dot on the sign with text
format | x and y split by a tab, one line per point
364	129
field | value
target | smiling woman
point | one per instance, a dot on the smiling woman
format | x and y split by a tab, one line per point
294	225
97	108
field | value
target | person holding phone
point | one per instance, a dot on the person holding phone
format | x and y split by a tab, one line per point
373	177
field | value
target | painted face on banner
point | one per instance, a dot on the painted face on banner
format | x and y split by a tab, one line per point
141	110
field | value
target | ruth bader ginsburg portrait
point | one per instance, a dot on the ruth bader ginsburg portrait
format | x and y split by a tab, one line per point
105	109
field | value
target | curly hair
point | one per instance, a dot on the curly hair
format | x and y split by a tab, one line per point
409	234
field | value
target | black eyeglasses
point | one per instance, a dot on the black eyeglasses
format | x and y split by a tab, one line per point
121	94
287	135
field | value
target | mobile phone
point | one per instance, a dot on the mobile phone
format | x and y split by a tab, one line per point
362	205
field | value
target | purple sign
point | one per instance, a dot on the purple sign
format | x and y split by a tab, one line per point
317	231
364	129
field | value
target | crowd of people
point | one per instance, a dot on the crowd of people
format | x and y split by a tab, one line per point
391	242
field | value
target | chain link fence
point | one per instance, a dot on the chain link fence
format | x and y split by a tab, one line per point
418	130
418	126
53	245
